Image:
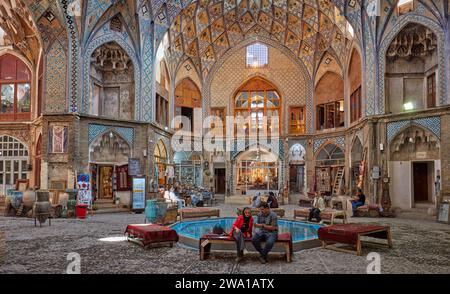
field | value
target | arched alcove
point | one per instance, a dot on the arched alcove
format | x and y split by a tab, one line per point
112	88
411	69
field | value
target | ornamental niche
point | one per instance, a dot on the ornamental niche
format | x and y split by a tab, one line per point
413	41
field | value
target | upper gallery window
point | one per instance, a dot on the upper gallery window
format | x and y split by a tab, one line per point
257	55
15	92
405	6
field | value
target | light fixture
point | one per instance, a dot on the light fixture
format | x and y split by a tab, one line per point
408	106
111	134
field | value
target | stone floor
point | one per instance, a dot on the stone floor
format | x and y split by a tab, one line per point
420	246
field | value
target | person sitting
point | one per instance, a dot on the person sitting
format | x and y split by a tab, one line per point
266	230
241	229
256	201
358	201
173	196
318	207
272	200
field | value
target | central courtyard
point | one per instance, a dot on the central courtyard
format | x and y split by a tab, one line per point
420	247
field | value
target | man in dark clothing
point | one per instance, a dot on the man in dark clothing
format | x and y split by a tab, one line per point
266	230
358	201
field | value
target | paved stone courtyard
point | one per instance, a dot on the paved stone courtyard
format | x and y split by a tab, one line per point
420	246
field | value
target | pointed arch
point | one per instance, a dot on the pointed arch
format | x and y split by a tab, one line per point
443	71
94	44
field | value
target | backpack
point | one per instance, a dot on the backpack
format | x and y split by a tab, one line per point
218	230
274	203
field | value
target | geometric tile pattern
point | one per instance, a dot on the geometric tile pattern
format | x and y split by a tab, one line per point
442	87
432	124
96	130
94	44
339	141
73	57
147	63
55	79
205	30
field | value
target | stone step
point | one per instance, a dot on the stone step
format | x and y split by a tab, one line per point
111	210
238	200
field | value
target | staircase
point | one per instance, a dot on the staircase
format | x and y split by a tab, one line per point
107	206
419	212
2	205
338	181
241	200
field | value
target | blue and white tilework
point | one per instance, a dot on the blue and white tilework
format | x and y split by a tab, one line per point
96	130
432	124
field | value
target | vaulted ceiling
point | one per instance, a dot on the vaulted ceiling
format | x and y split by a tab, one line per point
206	29
20	29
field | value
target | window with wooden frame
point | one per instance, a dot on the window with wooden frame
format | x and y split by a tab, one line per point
15	89
405	6
355	105
330	115
431	90
297	120
255	101
162	110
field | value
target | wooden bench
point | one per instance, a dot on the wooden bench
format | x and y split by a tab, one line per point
207	240
350	234
198	212
255	211
327	215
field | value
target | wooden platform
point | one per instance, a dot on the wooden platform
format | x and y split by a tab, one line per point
198	212
326	215
351	234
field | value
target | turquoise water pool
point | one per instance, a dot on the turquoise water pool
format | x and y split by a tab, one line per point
300	231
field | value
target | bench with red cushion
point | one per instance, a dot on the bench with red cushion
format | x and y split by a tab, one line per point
207	240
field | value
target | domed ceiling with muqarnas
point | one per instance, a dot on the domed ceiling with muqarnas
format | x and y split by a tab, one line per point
206	29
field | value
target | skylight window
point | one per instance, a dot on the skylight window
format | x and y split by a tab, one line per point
257	55
405	6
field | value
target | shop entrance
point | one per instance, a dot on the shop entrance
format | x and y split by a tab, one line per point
420	181
296	178
257	170
220	180
106	182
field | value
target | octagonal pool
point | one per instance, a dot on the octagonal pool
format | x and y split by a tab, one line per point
304	235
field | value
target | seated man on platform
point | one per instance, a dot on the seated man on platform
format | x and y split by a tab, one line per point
318	207
173	194
256	200
358	201
266	231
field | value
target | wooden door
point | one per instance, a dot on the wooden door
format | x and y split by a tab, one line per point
106	182
220	180
420	181
431	90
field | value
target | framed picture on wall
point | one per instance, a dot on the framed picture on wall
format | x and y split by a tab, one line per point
58	138
22	185
58	185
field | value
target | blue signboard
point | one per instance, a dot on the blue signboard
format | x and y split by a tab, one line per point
138	193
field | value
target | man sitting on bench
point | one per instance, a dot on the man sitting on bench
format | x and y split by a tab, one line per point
266	230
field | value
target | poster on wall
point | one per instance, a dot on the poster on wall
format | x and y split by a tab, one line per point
85	197
134	166
83	182
58	139
138	193
84	192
